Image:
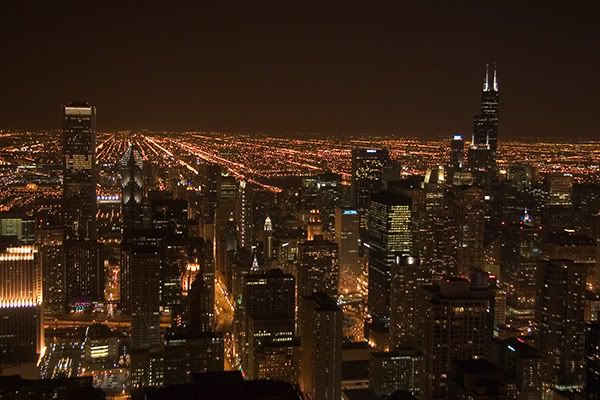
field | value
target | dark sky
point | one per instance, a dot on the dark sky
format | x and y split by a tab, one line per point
411	68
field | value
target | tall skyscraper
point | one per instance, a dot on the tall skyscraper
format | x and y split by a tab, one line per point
389	235
367	171
560	319
468	210
456	322
485	124
50	244
457	153
403	291
244	208
21	324
321	349
132	189
79	169
347	237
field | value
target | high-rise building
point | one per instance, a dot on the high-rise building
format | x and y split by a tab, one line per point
21	324
347	237
403	290
520	255
265	316
143	262
522	365
560	189
476	379
485	124
244	208
328	194
318	267
321	348
403	369
457	153
79	169
468	211
389	235
49	241
367	171
560	320
132	189
84	272
456	322
592	358
200	306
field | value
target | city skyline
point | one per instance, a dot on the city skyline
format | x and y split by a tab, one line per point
410	71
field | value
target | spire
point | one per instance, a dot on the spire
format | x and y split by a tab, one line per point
486	83
495	80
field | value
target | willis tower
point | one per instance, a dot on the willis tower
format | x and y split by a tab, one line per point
485	124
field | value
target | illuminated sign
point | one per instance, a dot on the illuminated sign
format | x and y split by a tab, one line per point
457	137
350	212
371	151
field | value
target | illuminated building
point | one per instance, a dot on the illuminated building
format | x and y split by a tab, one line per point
389	235
19	226
321	348
84	272
173	261
347	237
520	254
367	171
100	345
191	352
265	315
521	176
457	153
481	162
560	189
592	358
485	124
132	189
79	181
403	369
168	215
403	288
455	321
49	242
225	228
244	218
522	365
268	238
328	188
318	267
468	210
21	325
560	321
476	379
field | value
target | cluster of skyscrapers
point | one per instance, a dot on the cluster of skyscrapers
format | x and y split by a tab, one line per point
470	282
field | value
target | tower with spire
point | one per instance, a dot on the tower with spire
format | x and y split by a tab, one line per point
132	190
485	124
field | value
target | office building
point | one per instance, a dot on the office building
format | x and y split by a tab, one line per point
79	169
367	170
49	242
21	325
560	189
347	238
403	290
522	366
455	321
476	379
468	212
389	235
403	369
592	359
560	322
485	124
321	348
318	267
244	207
132	189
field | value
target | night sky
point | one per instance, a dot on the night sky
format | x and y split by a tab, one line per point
343	68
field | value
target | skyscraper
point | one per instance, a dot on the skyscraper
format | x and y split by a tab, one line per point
21	324
132	189
244	215
455	321
457	153
485	124
347	231
321	349
79	169
403	291
468	210
389	235
560	319
367	171
318	267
